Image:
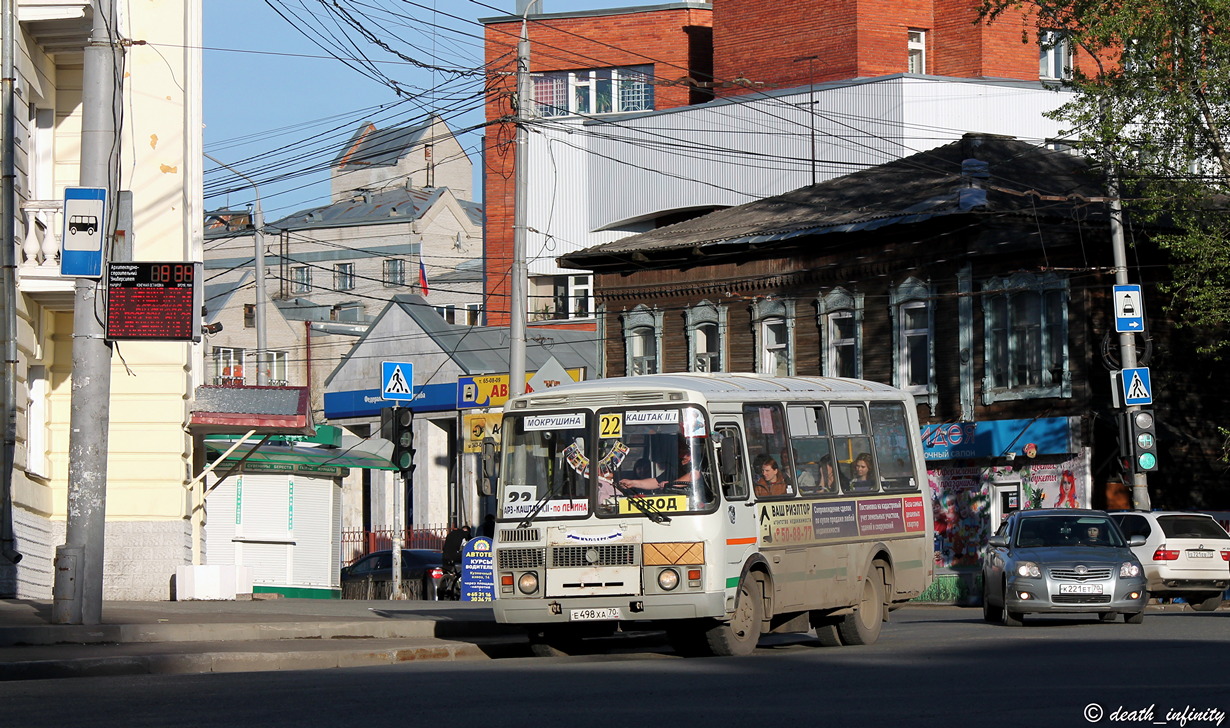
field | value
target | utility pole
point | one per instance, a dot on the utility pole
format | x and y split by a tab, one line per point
78	586
1127	341
518	288
258	239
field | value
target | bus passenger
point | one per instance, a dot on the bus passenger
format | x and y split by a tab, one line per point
772	482
863	479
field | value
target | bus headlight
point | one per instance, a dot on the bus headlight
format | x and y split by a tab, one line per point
668	579
528	583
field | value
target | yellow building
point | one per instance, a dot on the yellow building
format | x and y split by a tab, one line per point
149	527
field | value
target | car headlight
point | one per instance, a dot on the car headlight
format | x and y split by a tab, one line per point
668	579
528	583
1129	568
1028	568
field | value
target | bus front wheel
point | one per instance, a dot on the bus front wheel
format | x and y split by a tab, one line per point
863	626
740	635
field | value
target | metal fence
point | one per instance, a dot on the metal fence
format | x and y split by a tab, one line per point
357	543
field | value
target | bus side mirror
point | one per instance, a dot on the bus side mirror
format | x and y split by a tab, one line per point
728	459
490	468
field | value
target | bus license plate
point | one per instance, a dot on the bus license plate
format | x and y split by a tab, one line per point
1080	588
583	615
1197	554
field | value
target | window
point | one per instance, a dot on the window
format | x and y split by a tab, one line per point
916	47
574	296
643	340
814	471
276	374
594	91
773	328
36	421
1026	338
841	324
448	313
343	276
1054	55
228	367
913	324
474	314
766	445
394	272
856	465
249	315
705	323
301	279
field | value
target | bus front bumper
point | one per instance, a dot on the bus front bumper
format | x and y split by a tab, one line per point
652	607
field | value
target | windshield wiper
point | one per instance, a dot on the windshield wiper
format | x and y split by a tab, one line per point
643	505
538	506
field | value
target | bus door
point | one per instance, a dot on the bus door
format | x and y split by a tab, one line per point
739	511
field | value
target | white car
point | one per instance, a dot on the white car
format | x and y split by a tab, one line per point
1185	555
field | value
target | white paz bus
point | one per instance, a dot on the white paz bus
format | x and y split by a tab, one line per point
716	506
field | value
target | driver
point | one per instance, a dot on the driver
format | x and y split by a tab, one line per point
685	477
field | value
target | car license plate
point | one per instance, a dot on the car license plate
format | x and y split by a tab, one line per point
1080	588
1198	554
583	615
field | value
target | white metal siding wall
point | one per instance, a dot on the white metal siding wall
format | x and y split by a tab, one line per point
589	175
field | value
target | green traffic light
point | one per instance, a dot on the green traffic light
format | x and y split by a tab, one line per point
1147	461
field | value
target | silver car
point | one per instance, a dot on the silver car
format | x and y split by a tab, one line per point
1061	560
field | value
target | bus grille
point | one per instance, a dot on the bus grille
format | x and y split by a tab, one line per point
520	558
520	535
608	555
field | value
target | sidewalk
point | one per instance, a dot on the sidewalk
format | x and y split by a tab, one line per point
240	636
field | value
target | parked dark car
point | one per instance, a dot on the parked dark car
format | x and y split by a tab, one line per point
1062	560
371	576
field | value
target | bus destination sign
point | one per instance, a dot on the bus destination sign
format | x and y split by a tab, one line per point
154	301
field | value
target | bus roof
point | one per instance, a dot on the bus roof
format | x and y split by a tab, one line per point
711	387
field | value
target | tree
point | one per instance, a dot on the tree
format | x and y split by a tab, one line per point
1152	101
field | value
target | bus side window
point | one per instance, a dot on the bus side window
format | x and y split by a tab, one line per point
731	463
891	435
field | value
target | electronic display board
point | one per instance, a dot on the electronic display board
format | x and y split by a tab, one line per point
158	301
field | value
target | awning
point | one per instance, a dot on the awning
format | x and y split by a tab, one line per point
362	454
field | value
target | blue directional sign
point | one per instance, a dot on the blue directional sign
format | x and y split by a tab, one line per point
1137	387
85	225
1129	309
397	381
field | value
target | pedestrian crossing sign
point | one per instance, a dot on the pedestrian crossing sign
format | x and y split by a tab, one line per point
397	381
1137	387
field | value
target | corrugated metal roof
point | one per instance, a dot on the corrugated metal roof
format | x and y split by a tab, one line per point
912	189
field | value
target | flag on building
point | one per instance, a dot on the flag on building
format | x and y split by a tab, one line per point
422	278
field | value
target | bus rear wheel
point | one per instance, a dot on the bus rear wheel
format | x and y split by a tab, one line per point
863	626
740	635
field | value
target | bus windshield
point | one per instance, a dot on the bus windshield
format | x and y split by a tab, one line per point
656	454
649	462
545	468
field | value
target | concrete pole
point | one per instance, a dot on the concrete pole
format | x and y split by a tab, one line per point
518	288
258	240
78	587
1127	341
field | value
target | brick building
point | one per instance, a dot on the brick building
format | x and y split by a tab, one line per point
593	71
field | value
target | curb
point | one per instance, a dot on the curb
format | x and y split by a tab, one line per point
276	657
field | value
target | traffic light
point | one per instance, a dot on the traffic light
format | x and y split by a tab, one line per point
398	428
1142	441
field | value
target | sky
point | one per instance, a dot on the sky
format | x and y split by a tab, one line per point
279	102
